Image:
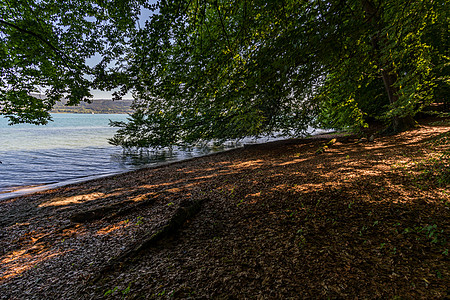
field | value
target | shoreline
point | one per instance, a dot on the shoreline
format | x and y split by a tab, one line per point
23	191
28	190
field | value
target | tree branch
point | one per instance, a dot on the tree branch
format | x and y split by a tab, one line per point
43	40
223	26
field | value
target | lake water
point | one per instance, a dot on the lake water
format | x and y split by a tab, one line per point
74	146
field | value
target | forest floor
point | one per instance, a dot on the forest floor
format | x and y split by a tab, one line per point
282	220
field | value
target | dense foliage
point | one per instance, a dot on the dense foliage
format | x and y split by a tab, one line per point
44	48
214	70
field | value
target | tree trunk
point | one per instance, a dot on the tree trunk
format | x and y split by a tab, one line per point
387	72
389	80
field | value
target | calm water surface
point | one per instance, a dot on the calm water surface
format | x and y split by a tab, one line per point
74	146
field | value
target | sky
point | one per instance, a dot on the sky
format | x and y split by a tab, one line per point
107	95
98	94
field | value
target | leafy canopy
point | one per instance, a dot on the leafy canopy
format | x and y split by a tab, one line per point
214	70
44	48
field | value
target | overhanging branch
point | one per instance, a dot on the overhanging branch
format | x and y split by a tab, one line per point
58	52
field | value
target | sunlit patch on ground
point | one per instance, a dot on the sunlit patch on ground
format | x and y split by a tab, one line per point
73	200
110	228
17	262
248	164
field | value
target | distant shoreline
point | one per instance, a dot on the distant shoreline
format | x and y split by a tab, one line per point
86	113
97	106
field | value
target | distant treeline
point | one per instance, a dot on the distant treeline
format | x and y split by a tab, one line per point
100	106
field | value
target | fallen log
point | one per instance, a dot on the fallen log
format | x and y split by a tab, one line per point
184	212
97	213
111	211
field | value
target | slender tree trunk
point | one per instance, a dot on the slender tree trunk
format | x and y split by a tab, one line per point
387	73
389	80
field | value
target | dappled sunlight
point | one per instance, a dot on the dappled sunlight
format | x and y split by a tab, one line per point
13	256
159	185
306	187
277	175
205	177
293	161
248	164
144	196
368	172
18	262
229	171
255	195
251	199
78	199
174	190
113	227
281	188
35	249
8	201
77	230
